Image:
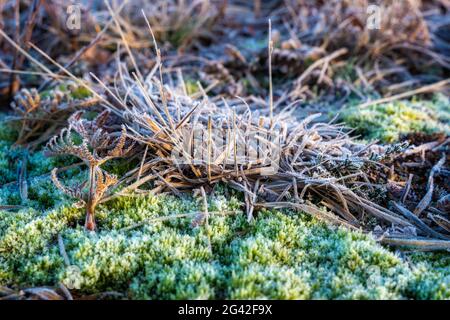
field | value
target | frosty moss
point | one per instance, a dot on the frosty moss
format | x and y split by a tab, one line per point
282	255
387	122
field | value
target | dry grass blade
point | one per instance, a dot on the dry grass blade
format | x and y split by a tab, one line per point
440	221
423	204
62	250
419	223
434	87
36	293
407	188
22	179
422	244
11	207
65	291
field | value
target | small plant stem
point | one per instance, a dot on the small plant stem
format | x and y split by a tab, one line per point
90	220
90	206
209	147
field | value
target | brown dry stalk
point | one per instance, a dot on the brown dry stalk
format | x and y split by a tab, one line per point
96	148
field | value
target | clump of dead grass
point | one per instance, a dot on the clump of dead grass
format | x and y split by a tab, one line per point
393	57
336	24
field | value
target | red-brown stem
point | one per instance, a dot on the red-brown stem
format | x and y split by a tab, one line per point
90	218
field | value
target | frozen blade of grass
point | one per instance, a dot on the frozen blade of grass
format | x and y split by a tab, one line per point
43	293
424	89
407	188
62	250
65	291
160	66
311	68
110	106
22	179
421	244
419	223
142	163
424	203
11	207
440	221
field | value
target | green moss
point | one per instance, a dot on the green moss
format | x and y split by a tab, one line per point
75	91
431	276
24	240
282	255
8	133
178	37
11	157
254	44
386	122
42	194
348	71
179	280
121	166
191	86
81	93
